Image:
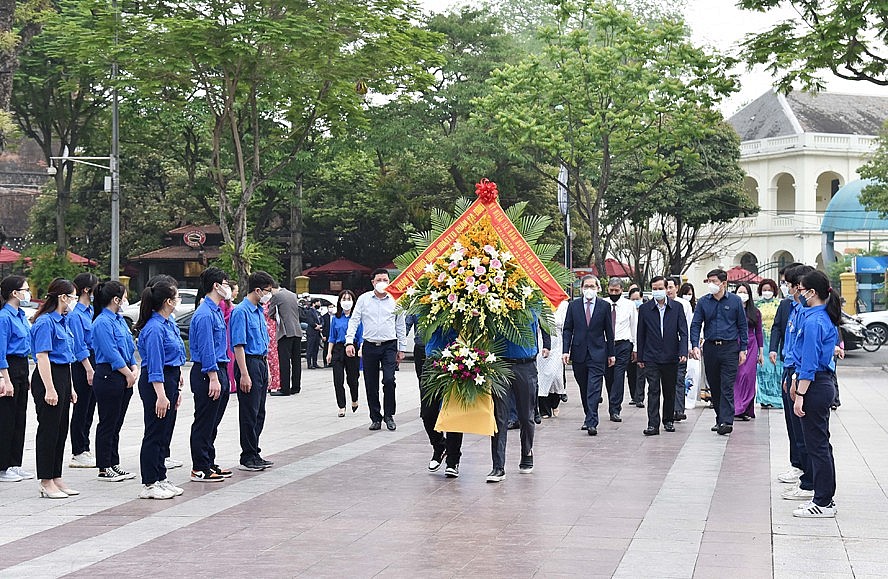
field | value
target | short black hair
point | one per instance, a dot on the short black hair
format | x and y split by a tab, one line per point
210	277
379	270
721	274
657	278
795	275
634	290
788	267
260	279
85	281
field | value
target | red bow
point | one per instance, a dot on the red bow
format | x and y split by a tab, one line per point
486	191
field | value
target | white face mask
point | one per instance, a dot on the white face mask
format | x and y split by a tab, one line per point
124	303
689	297
323	310
265	298
225	292
346	305
25	296
744	297
714	288
659	294
767	295
589	293
380	286
784	288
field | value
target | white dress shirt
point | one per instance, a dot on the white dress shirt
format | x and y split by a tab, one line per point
627	315
689	314
381	324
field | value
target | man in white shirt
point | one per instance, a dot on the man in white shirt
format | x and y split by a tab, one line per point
672	285
623	318
385	342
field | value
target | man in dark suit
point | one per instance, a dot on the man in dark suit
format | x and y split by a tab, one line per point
662	342
588	342
284	304
313	333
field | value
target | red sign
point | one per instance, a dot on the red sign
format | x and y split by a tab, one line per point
195	238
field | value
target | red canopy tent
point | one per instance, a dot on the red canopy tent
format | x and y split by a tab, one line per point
612	268
80	260
338	267
737	274
9	256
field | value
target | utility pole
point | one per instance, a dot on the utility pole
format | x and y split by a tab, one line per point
115	158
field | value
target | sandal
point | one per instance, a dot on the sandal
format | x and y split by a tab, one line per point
354	407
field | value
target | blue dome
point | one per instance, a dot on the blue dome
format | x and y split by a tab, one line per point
845	213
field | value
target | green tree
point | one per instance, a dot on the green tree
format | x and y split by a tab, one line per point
42	265
607	90
845	37
875	195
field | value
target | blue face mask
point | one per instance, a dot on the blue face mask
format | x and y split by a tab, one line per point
659	295
803	300
638	303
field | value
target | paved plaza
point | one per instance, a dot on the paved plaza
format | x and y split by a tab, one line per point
342	501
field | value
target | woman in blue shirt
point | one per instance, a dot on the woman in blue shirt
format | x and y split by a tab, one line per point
53	346
116	372
345	368
163	354
14	349
80	319
813	389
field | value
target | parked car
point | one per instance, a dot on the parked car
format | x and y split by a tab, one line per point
131	312
877	322
853	332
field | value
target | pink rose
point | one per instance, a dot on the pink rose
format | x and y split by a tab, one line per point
470	280
451	298
498	280
480	270
482	289
496	264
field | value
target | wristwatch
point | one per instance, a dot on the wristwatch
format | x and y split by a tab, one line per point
802	394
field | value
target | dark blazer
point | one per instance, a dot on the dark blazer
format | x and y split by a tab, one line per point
313	319
778	328
653	348
593	343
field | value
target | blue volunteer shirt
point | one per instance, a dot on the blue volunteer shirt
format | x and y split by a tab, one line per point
724	318
113	340
439	341
248	328
790	337
160	345
207	334
817	339
81	321
14	334
515	351
339	327
50	333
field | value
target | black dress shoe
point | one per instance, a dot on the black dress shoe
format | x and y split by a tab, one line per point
591	431
376	425
564	397
680	417
584	427
725	429
651	431
639	404
390	423
537	418
600	399
669	427
616	418
278	393
714	428
742	418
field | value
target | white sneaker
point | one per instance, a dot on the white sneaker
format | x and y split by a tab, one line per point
172	463
791	476
812	511
156	491
798	494
83	460
177	491
9	476
21	472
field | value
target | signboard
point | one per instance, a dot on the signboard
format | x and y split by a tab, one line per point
871	264
195	238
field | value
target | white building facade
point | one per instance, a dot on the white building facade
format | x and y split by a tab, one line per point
797	151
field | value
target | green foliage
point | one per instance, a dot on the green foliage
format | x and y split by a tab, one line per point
44	266
845	37
256	256
875	195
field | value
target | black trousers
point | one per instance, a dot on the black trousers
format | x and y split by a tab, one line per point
615	376
312	346
14	414
84	410
207	415
815	424
291	364
548	403
524	385
720	364
798	450
52	421
380	359
112	398
680	387
429	409
660	378
589	375
158	431
251	407
635	376
345	369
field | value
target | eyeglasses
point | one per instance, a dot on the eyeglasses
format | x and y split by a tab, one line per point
71	296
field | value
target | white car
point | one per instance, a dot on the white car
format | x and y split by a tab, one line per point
877	322
131	312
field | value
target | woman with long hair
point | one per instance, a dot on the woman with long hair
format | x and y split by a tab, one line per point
744	386
813	387
15	345
53	345
116	373
163	355
687	292
769	374
79	319
345	368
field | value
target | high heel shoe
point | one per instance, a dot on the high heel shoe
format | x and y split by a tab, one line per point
354	406
45	494
69	492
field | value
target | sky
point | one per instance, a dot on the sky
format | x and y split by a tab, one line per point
721	25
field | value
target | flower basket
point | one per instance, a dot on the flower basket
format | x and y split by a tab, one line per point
476	418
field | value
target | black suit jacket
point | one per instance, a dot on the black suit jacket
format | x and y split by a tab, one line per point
592	343
652	348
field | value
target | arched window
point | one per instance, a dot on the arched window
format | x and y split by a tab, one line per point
785	184
827	184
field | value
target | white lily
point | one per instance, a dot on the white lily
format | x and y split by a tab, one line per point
491	357
429	268
452	367
479	379
527	291
446	353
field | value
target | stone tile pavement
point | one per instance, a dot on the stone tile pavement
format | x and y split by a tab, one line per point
342	501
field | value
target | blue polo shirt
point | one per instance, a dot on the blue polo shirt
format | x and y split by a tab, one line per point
339	327
160	345
249	329
81	321
817	339
791	335
207	336
14	334
725	320
50	333
113	340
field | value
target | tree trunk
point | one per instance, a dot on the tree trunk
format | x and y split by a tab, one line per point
296	233
62	203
